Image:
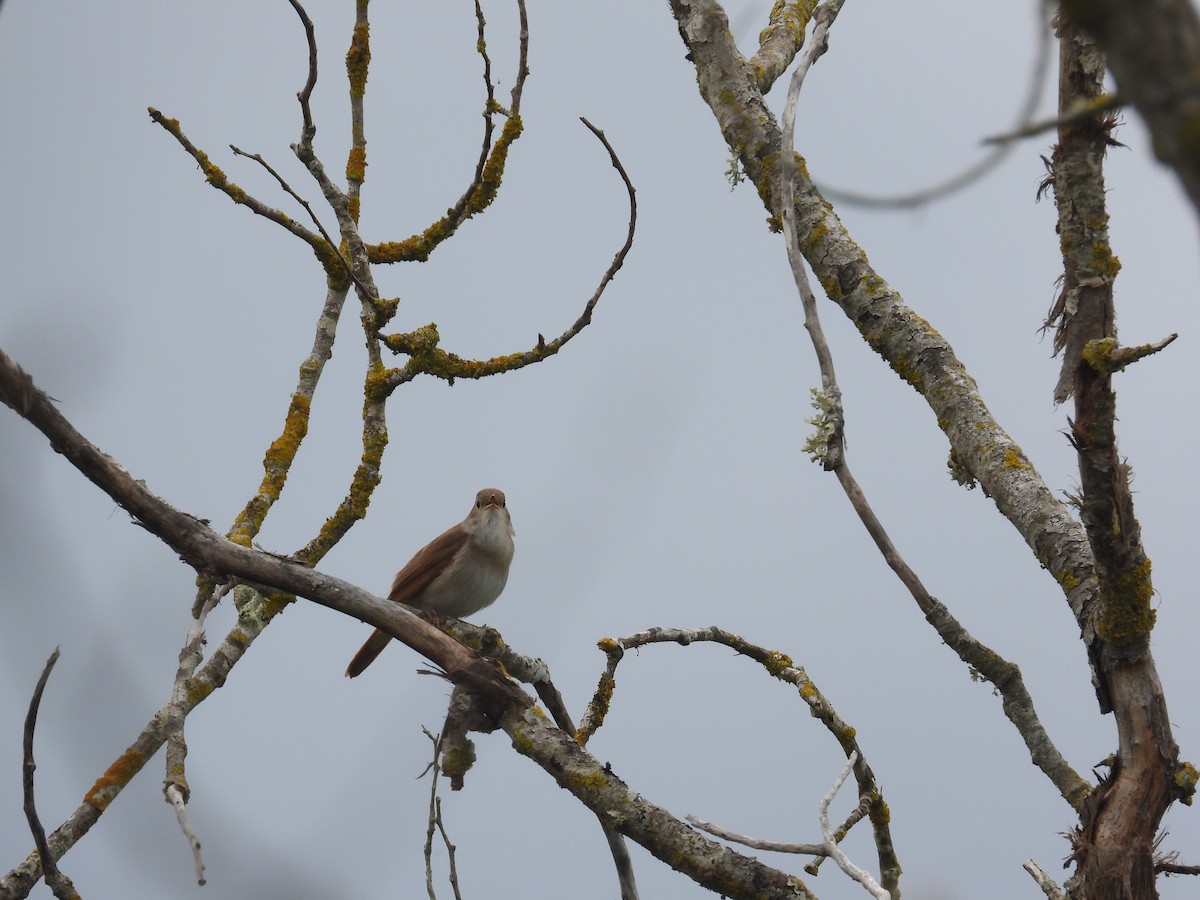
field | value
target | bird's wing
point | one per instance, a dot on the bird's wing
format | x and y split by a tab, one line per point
426	565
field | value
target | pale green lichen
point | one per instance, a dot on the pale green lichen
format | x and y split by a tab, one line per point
817	445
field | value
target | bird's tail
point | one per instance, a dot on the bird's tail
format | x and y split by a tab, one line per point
367	653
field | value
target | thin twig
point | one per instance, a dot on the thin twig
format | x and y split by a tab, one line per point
333	247
831	845
175	786
976	170
306	92
435	823
58	882
1079	112
175	796
757	843
1018	704
426	356
782	667
218	179
489	168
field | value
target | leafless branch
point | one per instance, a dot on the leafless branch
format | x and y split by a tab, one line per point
831	845
436	824
178	800
58	882
1117	823
1078	112
218	179
1044	881
757	843
422	345
779	665
536	673
594	784
333	247
175	786
1018	704
306	92
489	168
781	40
977	170
1171	868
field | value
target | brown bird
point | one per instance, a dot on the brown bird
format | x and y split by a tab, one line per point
456	574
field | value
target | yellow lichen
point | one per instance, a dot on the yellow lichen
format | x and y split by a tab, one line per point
777	662
1127	614
358	59
1015	459
1186	778
356	164
108	785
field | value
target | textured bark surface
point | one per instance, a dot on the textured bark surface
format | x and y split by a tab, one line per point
1099	562
1114	847
980	448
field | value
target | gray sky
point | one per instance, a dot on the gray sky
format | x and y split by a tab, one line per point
653	469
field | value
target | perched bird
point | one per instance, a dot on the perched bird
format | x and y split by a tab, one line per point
456	574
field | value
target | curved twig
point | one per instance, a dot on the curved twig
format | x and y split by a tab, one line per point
422	345
489	169
58	882
779	665
975	171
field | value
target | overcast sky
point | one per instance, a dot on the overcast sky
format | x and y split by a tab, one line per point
654	468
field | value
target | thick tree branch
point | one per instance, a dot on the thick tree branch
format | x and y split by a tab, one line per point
1114	845
781	40
913	348
908	343
502	701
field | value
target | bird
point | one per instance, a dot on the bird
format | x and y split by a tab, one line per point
456	574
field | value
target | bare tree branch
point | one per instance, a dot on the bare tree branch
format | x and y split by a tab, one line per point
981	448
1114	843
779	665
1044	881
594	784
758	843
437	825
781	40
977	170
422	345
1018	704
57	881
489	170
831	844
218	179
